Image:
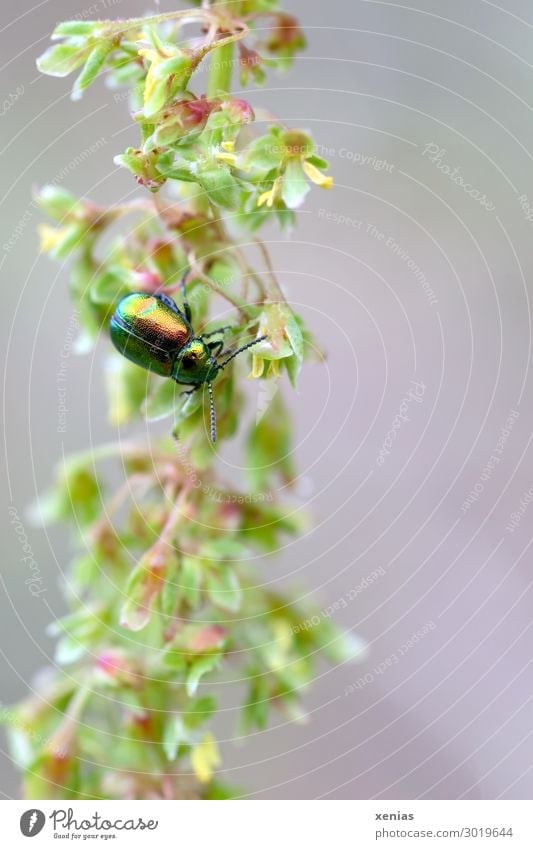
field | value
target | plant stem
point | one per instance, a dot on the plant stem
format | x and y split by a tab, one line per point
220	70
275	289
221	66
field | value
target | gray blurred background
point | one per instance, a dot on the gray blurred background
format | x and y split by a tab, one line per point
415	267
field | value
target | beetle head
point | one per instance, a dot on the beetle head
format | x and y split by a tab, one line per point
195	364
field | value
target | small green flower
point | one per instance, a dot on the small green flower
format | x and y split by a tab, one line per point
296	164
144	167
169	70
284	340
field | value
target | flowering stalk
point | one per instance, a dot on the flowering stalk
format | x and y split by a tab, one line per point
160	591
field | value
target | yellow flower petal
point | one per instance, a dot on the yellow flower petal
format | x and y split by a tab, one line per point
265	198
205	758
228	145
279	649
258	364
284	635
269	196
154	58
150	54
273	368
230	158
316	176
49	237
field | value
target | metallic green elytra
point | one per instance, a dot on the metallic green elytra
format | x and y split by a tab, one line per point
151	331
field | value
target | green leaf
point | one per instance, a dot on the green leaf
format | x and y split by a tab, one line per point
173	736
157	98
162	402
294	186
61	59
132	160
200	711
167	133
264	153
68	651
293	366
174	168
318	162
191	579
94	64
292	328
80	624
268	448
85	570
77	495
221	792
111	285
64	240
188	416
144	584
337	645
175	660
220	186
171	593
225	271
200	668
20	748
177	66
286	218
225	548
255	710
58	203
126	386
73	28
224	590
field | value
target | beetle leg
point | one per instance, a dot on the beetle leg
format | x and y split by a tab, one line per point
186	307
217	331
190	391
216	347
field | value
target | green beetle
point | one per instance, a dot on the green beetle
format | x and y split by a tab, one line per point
152	331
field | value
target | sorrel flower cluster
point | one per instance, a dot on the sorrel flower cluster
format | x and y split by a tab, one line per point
161	591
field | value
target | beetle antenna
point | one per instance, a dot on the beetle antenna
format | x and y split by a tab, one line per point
212	413
220	366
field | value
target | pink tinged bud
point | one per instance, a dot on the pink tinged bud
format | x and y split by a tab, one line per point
147	281
149	182
207	639
286	34
248	58
56	768
240	110
145	584
229	516
111	663
196	112
184	116
108	663
143	723
115	666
